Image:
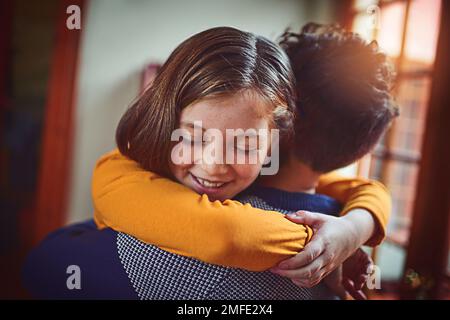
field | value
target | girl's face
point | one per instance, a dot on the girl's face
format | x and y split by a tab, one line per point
220	179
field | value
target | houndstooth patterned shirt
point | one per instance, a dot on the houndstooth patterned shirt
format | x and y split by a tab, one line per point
161	275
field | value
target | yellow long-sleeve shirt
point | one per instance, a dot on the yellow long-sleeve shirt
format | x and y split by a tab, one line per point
162	212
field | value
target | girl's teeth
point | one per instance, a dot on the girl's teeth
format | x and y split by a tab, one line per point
209	184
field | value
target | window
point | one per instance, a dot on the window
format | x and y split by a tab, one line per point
407	30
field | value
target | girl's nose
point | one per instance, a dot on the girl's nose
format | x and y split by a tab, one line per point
215	169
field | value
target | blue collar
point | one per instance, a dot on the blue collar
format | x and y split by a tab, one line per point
294	201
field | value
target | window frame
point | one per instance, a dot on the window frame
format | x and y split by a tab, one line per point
387	153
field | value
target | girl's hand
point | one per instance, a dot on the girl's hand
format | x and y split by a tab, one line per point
355	273
334	240
335	283
349	279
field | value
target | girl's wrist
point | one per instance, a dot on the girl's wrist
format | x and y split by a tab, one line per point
362	223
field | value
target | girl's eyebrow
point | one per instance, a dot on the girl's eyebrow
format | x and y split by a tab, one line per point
191	125
241	132
250	134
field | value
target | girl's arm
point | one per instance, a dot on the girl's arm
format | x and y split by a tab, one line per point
159	211
165	213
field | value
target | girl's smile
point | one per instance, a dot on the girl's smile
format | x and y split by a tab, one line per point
208	187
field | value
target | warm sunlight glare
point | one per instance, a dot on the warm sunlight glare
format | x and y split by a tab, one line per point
423	30
391	24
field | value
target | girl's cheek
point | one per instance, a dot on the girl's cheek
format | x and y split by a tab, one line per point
180	161
197	154
179	171
186	154
247	171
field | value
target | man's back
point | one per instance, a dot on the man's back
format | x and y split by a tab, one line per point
153	273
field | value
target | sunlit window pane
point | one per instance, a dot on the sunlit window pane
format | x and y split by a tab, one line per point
362	25
361	5
422	34
376	168
402	178
391	27
409	127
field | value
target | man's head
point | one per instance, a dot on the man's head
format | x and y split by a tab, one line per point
343	90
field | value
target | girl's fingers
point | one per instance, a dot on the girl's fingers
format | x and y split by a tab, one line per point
361	281
368	263
334	282
362	275
312	219
311	252
306	283
350	288
307	273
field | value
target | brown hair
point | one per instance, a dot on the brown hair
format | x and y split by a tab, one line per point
344	102
217	61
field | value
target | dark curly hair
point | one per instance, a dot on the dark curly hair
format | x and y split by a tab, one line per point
344	100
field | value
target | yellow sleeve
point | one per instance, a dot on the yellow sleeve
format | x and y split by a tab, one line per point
159	211
363	194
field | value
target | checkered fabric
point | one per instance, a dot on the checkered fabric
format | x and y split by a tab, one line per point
160	275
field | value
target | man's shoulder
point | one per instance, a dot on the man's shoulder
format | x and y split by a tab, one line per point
81	247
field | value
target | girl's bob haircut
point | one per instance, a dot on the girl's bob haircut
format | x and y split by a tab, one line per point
218	61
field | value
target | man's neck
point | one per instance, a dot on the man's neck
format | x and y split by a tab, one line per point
293	176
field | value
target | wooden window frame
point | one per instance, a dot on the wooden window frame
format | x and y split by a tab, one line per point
425	270
387	152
